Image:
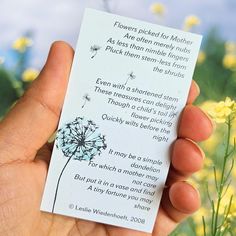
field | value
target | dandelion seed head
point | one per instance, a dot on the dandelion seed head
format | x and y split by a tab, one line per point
80	139
95	48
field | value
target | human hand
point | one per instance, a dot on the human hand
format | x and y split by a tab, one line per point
24	159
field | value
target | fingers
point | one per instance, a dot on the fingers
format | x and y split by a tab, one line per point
194	124
180	201
193	92
34	118
187	158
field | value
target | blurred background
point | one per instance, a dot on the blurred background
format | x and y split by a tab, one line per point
27	29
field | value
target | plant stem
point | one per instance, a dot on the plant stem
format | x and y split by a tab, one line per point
58	182
222	179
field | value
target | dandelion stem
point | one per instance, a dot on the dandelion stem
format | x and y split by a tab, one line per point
58	182
126	81
94	54
84	104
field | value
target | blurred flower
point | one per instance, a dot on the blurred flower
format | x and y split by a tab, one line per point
190	22
201	57
2	59
21	44
222	110
230	192
197	217
205	106
30	75
158	8
229	61
234	172
211	143
230	47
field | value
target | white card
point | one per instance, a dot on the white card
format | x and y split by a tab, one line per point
128	85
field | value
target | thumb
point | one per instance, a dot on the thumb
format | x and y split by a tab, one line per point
35	117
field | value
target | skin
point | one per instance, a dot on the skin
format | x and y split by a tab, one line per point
24	159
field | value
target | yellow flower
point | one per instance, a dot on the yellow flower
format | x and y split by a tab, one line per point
190	22
230	47
30	75
234	172
205	106
226	199
229	61
197	217
201	57
158	8
222	110
22	43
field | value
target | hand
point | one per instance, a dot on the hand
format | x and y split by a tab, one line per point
24	159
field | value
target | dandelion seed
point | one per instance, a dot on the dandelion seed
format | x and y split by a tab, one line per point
86	98
131	76
94	50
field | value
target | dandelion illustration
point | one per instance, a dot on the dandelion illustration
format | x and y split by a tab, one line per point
94	50
131	76
86	98
79	140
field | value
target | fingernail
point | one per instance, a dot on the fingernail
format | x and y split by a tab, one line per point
198	88
211	120
200	150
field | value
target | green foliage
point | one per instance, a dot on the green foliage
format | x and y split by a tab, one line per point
216	82
7	91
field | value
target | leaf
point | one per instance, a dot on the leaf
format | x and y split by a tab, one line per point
8	94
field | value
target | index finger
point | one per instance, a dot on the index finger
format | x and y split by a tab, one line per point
193	92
